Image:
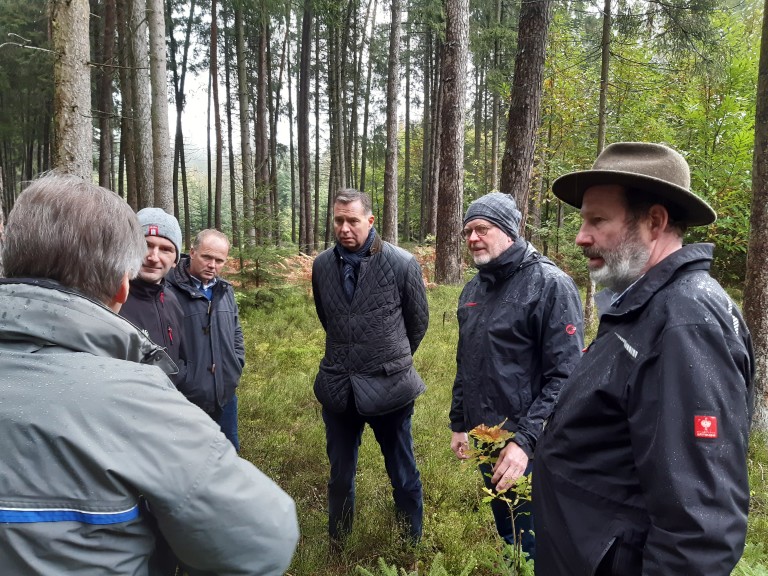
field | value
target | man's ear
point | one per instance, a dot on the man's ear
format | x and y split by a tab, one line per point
658	218
122	294
371	218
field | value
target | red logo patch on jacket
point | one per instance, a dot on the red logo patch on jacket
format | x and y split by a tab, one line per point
471	304
705	426
570	329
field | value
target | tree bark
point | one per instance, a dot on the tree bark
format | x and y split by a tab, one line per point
105	96
142	103
214	71
245	125
72	87
161	149
523	121
451	185
306	235
389	225
756	289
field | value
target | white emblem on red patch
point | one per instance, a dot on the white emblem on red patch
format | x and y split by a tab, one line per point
153	230
705	426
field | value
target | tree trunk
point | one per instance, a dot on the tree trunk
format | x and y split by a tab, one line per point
161	150
105	96
245	125
72	87
316	227
127	138
214	57
142	104
389	228
230	137
426	130
756	289
451	186
263	204
407	175
523	121
367	105
306	235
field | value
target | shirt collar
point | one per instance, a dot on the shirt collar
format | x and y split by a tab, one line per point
199	283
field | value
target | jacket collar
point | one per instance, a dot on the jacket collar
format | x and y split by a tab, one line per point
180	277
690	257
46	313
517	256
146	290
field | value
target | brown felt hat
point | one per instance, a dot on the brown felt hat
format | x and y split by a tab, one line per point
653	168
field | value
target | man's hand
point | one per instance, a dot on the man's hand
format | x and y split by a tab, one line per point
509	467
460	444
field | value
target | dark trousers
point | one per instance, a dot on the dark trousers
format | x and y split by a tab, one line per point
503	516
343	433
226	418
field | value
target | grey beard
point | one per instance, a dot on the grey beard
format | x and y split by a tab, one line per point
622	266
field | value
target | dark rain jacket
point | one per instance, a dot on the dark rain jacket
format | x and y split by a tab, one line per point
370	341
156	310
213	340
93	435
520	336
644	462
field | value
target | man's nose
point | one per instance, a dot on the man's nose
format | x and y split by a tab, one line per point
583	238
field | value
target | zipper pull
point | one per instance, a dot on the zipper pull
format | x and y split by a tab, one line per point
170	334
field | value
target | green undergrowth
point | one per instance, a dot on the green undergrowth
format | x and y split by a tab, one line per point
282	433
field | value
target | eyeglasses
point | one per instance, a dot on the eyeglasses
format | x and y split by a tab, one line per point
479	230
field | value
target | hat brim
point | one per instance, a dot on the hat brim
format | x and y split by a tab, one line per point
693	211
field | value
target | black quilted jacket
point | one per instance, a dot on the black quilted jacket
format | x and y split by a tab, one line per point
370	341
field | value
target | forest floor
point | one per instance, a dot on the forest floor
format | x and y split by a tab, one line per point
282	432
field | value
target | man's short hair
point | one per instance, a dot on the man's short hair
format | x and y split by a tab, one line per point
79	234
639	202
209	232
349	195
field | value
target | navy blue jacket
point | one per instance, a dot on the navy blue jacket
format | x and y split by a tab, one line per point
644	461
213	340
520	336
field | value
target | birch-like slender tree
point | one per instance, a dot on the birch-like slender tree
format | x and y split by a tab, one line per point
389	225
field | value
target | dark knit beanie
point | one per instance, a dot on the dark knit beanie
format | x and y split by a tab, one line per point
157	222
497	208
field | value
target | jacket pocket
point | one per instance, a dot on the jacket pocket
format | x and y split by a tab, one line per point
397	365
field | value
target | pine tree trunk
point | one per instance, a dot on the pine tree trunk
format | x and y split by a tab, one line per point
142	104
105	96
161	150
245	126
756	289
72	87
306	236
451	184
389	229
527	86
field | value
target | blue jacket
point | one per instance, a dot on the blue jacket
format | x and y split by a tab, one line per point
370	341
213	340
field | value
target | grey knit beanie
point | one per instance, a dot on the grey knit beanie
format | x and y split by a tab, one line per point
497	208
157	222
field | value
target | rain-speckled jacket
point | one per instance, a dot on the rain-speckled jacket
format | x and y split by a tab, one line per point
213	340
370	341
643	462
520	336
92	434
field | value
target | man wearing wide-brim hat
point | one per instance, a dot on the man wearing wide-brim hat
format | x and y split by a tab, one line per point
642	467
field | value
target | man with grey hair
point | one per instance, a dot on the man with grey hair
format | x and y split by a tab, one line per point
94	436
213	338
642	469
520	336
